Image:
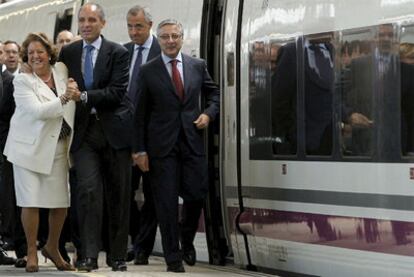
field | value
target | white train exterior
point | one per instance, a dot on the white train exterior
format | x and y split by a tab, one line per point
281	207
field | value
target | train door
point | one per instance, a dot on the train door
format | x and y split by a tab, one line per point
210	46
231	132
63	22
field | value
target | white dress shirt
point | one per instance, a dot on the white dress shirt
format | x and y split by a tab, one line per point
168	65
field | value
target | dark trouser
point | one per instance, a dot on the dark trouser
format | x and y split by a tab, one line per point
10	212
189	223
134	212
103	178
144	240
180	173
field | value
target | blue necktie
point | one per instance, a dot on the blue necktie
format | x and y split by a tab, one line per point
88	67
133	84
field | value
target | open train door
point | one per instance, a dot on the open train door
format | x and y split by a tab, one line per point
222	34
210	49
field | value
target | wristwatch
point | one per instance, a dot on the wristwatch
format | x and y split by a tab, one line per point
84	96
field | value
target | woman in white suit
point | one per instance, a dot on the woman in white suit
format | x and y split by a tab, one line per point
38	143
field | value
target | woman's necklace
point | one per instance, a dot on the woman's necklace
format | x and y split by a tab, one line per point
48	79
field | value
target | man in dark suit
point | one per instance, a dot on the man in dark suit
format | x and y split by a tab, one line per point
10	213
374	82
100	149
317	54
142	48
170	142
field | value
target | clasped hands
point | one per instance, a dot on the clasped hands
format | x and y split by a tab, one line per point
72	90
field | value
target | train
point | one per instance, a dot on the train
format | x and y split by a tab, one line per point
307	178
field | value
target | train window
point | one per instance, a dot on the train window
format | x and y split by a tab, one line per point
63	21
230	69
318	81
355	84
333	95
283	60
406	50
259	96
370	85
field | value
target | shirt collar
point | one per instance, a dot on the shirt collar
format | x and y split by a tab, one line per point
97	43
167	59
147	44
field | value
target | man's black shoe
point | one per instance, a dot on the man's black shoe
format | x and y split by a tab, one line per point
5	259
130	255
176	267
141	259
119	266
20	263
108	260
87	264
189	256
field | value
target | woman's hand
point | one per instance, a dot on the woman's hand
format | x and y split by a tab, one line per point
72	90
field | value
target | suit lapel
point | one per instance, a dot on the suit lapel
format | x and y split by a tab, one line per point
187	68
101	61
154	50
59	81
165	76
1	81
77	64
130	48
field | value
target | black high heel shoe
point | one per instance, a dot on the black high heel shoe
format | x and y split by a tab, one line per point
62	267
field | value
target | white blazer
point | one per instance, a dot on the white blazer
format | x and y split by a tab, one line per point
36	123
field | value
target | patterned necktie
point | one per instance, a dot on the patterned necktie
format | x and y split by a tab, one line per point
176	77
133	81
88	67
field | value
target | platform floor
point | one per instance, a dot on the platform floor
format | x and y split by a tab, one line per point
156	268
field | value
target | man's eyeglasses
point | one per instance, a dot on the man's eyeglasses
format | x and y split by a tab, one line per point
166	37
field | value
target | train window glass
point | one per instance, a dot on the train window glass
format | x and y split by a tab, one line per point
406	51
387	105
283	91
318	82
230	69
63	21
356	86
259	108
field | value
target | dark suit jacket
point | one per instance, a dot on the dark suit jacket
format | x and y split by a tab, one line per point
318	98
128	119
407	107
7	105
109	87
376	95
161	116
154	51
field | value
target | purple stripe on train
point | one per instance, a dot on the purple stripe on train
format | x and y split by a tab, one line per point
384	236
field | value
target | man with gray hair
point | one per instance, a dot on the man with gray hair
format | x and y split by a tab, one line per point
142	48
101	155
169	139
